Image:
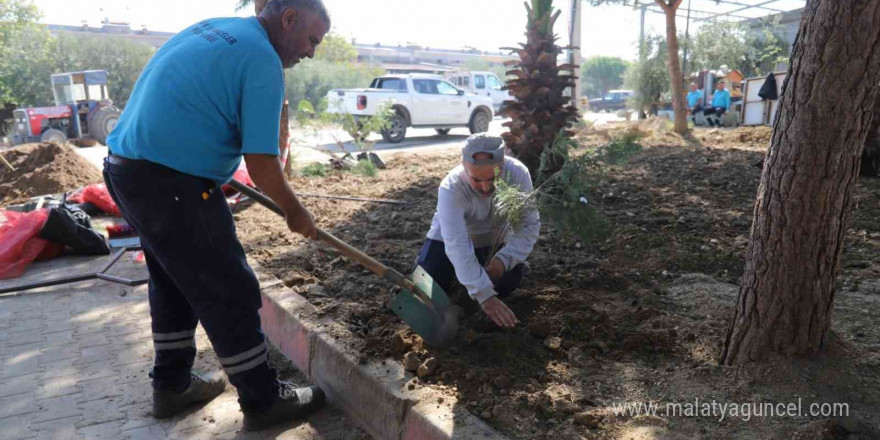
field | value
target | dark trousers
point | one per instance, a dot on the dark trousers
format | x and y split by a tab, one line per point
433	259
713	115
198	273
694	110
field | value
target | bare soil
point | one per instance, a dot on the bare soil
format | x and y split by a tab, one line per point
637	317
45	168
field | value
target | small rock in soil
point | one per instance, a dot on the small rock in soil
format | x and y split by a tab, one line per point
486	415
411	362
553	342
316	290
399	344
427	368
586	419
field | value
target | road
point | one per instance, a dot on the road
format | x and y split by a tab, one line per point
309	147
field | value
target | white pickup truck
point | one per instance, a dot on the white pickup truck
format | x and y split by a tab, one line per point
418	100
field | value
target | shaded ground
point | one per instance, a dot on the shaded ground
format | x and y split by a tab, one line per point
40	169
637	317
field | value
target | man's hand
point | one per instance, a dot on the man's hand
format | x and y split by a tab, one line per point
302	222
495	269
265	171
499	313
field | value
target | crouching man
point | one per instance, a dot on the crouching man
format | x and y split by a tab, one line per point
465	229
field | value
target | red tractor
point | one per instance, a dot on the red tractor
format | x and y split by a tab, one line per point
83	109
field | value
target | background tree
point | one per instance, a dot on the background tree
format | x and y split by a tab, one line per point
336	49
806	192
540	111
753	52
648	78
122	59
599	74
673	64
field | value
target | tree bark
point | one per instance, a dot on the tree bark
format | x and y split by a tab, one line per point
806	191
675	77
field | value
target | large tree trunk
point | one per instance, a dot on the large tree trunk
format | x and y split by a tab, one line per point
675	77
806	190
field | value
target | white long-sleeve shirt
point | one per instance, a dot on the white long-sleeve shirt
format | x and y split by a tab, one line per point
464	220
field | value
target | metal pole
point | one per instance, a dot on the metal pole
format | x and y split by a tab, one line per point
575	42
642	34
687	30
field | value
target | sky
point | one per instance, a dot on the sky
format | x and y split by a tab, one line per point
454	24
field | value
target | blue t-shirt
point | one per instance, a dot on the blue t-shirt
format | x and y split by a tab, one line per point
721	98
212	93
694	96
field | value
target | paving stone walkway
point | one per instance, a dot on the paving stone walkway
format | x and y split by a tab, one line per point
74	361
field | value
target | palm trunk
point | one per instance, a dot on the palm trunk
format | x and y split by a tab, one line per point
806	191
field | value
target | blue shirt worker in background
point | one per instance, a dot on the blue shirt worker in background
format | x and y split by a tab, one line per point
695	102
466	230
209	96
720	105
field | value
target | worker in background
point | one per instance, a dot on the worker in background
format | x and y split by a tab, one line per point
695	102
467	241
210	96
720	105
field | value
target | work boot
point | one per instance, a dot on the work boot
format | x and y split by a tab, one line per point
167	403
291	403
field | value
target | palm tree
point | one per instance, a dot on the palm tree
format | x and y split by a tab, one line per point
540	110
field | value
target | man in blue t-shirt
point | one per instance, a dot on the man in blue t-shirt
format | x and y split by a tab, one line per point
720	105
210	95
695	102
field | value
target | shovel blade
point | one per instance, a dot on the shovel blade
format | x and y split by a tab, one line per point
437	326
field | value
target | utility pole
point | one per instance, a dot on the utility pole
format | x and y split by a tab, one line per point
575	53
644	10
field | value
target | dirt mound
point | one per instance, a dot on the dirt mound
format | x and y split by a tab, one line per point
44	169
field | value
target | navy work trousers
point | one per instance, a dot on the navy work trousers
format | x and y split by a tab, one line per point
198	273
434	261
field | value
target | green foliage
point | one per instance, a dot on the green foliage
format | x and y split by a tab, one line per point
563	197
25	66
336	49
314	170
365	168
649	77
122	59
599	74
312	79
734	44
318	118
15	15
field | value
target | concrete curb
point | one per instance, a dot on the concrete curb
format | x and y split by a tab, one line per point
374	393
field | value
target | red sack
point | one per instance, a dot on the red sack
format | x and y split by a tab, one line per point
98	195
20	243
76	196
241	175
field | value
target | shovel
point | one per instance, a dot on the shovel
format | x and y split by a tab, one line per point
421	303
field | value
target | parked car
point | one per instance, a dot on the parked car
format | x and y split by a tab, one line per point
612	101
418	100
481	83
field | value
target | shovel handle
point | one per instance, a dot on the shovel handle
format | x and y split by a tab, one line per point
341	246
